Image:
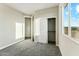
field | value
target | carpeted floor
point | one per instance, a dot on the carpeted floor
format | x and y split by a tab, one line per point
29	48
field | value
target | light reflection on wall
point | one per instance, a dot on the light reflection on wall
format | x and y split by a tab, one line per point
19	30
37	27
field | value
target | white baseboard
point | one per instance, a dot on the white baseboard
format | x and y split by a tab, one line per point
11	44
57	44
61	50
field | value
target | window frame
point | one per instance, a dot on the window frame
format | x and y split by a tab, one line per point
69	23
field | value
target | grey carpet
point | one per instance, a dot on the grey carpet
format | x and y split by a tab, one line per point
29	48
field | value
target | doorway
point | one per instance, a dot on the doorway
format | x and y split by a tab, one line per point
52	30
27	28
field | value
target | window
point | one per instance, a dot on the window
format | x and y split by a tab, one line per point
75	20
66	16
18	30
71	20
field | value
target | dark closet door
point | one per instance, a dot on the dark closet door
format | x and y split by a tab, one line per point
51	30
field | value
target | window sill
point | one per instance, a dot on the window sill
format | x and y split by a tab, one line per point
72	39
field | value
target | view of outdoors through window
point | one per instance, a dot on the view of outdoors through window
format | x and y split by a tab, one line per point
75	20
66	18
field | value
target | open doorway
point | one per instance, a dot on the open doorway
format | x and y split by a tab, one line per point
52	30
27	28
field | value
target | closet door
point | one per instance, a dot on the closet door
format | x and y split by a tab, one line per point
43	30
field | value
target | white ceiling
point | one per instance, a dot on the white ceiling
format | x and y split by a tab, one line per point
30	8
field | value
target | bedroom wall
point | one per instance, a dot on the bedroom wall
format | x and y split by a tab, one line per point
12	26
68	46
43	15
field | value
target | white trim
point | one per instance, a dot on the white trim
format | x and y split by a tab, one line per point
69	30
62	21
69	21
56	32
47	29
27	16
61	50
31	28
57	45
11	44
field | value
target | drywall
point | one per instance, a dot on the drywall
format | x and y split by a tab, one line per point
68	46
12	26
27	27
43	15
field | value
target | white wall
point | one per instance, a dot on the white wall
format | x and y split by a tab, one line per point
10	22
36	30
68	46
43	15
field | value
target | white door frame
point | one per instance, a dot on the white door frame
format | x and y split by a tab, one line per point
32	29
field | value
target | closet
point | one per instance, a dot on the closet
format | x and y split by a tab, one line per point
51	30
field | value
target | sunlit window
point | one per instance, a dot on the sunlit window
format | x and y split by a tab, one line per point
75	20
66	15
71	19
19	30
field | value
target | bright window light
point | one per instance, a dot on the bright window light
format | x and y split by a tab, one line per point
18	30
